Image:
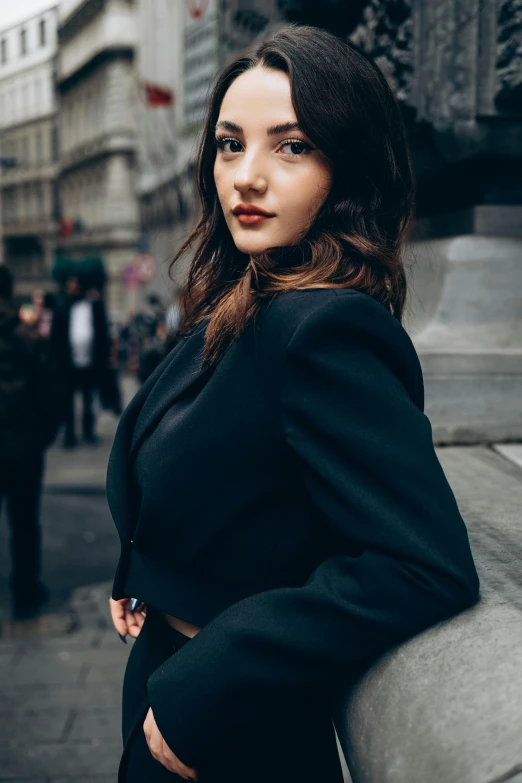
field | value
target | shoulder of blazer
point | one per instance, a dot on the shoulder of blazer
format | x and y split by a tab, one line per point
286	312
295	315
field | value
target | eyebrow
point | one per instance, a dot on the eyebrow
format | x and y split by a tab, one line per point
275	130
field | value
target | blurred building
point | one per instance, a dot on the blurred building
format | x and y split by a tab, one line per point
98	95
178	57
28	136
182	47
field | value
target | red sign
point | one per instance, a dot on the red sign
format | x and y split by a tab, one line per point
130	278
145	267
197	8
156	95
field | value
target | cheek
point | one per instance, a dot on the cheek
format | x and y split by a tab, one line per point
306	196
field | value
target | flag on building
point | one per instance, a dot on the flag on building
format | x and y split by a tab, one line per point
156	95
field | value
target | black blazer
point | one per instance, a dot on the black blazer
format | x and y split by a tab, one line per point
289	500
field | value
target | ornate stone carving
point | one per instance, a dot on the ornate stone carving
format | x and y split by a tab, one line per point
386	33
509	56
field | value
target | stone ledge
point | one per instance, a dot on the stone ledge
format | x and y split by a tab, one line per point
443	707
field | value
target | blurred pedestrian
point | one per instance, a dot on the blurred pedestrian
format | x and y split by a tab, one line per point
154	351
39	312
80	340
29	402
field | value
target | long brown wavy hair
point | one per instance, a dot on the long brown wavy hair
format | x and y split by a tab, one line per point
345	106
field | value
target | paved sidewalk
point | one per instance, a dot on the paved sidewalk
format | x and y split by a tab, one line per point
61	677
60	698
84	469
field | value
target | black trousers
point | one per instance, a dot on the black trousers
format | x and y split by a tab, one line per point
20	485
296	745
82	379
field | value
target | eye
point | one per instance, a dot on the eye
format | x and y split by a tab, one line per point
297	147
227	144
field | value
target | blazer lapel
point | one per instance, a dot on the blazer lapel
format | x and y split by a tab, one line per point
183	369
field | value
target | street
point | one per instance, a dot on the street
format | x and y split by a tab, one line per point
62	672
81	546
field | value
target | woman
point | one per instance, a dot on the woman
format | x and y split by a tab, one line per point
283	515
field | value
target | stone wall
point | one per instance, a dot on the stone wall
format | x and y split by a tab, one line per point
509	56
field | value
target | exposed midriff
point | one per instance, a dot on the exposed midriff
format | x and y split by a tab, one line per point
187	629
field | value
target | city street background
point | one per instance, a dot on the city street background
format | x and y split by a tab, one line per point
101	106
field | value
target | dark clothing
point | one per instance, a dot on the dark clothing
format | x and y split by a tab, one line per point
80	379
151	357
84	379
30	397
60	336
294	741
20	482
290	501
30	392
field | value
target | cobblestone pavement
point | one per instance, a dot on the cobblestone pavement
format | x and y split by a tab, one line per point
60	697
61	675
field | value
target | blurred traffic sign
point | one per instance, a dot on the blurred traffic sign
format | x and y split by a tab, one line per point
146	267
130	277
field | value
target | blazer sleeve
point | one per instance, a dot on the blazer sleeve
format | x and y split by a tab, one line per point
348	405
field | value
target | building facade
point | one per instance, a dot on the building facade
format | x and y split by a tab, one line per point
182	47
28	136
98	93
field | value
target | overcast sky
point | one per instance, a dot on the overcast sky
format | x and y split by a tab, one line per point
13	11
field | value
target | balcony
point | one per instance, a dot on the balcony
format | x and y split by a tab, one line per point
116	141
92	28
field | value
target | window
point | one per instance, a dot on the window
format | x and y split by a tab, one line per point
54	143
23	41
10	204
10	148
41	32
39	199
25	152
3	50
38	146
37	95
25	98
26	205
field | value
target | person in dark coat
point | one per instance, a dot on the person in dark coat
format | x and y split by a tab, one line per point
80	340
29	413
283	516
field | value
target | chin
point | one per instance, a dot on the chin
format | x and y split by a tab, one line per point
252	245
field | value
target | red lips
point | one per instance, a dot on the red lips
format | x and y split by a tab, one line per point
251	209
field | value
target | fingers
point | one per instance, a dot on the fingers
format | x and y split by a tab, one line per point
125	621
118	615
134	620
161	751
132	627
139	617
172	762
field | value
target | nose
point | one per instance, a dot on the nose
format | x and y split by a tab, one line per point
248	175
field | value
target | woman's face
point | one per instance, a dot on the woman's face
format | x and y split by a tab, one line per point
265	161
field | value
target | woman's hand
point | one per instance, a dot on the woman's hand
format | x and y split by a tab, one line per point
161	751
125	621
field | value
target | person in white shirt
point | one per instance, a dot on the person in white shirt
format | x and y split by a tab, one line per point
80	338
